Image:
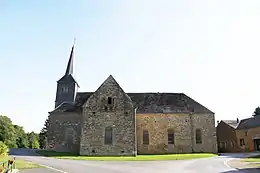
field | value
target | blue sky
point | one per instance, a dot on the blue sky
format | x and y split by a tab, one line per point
208	50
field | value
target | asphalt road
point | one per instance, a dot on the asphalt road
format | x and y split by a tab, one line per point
207	165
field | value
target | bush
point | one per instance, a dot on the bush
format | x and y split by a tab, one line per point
3	149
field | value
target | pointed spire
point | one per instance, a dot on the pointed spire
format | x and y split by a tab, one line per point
69	69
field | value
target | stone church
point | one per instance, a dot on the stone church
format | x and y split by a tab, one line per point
110	121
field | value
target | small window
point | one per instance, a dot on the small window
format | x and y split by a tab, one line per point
231	144
109	100
245	133
242	142
108	135
65	89
170	136
198	136
145	137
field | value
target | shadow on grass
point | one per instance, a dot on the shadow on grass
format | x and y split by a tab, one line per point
255	156
49	153
36	152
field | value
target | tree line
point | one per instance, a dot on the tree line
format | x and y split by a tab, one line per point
14	136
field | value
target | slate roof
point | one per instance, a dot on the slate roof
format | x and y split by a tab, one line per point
147	103
249	123
232	123
68	78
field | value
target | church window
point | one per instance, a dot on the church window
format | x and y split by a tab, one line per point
70	135
109	100
170	136
65	89
145	137
108	135
198	136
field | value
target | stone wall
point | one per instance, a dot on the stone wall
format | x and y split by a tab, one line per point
183	125
226	138
248	136
99	114
205	122
64	132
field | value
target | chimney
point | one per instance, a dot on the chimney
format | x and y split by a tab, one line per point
237	120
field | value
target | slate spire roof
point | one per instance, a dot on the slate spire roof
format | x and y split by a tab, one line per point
69	69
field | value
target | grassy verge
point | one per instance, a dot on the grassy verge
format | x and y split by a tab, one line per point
252	159
61	155
20	164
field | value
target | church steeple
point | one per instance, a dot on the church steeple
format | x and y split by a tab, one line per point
67	85
69	69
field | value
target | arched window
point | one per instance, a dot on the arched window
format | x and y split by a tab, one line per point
170	136
70	135
108	135
198	136
145	137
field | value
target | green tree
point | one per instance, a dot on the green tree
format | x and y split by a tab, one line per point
257	111
35	143
21	137
43	134
7	132
33	139
3	149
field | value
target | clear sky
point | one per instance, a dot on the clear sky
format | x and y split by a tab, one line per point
209	50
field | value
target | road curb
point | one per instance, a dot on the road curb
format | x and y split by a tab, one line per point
227	165
14	171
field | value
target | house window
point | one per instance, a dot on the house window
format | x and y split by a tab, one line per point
170	136
109	100
108	135
221	145
245	133
145	137
231	144
198	136
242	142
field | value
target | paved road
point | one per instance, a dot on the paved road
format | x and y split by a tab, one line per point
208	165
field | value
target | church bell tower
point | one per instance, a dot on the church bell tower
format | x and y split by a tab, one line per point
67	85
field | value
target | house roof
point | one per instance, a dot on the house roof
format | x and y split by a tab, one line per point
232	123
249	123
147	103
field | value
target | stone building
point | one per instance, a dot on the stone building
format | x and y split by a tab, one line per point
239	136
248	134
226	136
110	121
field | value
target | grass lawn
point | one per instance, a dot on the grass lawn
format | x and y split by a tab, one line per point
19	164
61	155
252	159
